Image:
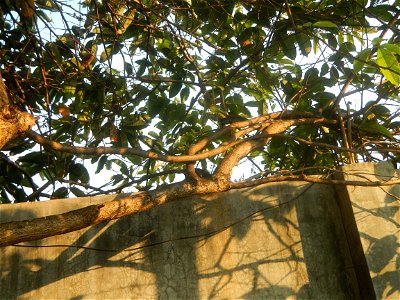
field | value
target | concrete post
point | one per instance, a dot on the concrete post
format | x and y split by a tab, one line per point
372	221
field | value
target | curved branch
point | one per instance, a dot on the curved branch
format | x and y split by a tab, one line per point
274	123
53	145
29	230
233	158
126	151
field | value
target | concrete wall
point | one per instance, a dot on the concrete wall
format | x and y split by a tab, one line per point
276	241
376	215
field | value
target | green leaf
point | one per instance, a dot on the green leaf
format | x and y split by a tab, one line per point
325	24
377	41
155	105
77	172
362	58
171	177
388	66
174	89
69	90
117	178
334	74
311	76
304	43
380	111
77	192
105	54
380	11
128	68
332	40
44	16
289	47
394	48
61	192
324	69
185	94
375	128
347	47
33	157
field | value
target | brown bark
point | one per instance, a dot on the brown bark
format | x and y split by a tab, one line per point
21	231
29	230
13	122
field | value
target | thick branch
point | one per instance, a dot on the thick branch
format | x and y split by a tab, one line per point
13	125
29	230
13	122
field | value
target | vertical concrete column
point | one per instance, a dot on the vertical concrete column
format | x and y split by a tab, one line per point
371	217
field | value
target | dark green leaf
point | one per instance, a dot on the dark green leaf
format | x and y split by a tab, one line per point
61	192
77	192
174	89
78	172
304	43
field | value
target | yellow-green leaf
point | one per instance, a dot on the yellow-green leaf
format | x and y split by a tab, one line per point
389	66
392	48
325	24
105	54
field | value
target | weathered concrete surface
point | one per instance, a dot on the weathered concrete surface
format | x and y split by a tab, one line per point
376	213
276	241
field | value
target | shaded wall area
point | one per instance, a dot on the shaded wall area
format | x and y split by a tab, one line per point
275	241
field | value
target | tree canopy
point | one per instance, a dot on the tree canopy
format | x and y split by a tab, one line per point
152	89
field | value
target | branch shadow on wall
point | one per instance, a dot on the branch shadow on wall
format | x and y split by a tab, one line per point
382	251
271	241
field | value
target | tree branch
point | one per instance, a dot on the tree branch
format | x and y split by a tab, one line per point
306	119
30	230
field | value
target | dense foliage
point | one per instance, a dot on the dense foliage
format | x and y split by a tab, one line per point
160	75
